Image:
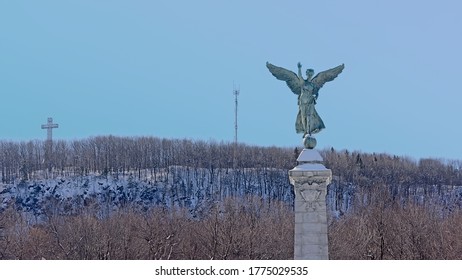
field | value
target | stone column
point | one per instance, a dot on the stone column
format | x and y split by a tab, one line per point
310	179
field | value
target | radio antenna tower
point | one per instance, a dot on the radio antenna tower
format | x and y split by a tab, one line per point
236	93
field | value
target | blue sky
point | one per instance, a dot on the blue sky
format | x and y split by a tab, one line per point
167	68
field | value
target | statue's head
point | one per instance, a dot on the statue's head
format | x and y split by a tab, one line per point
309	73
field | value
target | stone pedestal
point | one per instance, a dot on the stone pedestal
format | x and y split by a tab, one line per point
310	179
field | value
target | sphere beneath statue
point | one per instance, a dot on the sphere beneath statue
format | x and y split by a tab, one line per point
309	142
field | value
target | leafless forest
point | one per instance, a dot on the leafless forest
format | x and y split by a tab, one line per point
380	206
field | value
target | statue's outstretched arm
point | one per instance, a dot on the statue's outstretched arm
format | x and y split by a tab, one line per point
299	65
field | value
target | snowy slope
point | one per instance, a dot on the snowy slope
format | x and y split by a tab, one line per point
192	188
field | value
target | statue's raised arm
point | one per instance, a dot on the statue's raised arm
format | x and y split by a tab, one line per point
293	81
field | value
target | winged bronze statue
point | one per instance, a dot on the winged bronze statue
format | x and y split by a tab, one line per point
308	120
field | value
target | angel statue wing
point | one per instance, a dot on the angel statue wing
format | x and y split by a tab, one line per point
326	76
293	81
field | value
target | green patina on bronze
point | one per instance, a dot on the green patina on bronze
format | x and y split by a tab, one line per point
308	121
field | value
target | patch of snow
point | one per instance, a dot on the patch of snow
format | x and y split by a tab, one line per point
310	167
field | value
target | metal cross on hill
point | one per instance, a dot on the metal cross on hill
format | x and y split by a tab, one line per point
49	126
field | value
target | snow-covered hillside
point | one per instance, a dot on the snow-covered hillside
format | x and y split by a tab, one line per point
193	188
